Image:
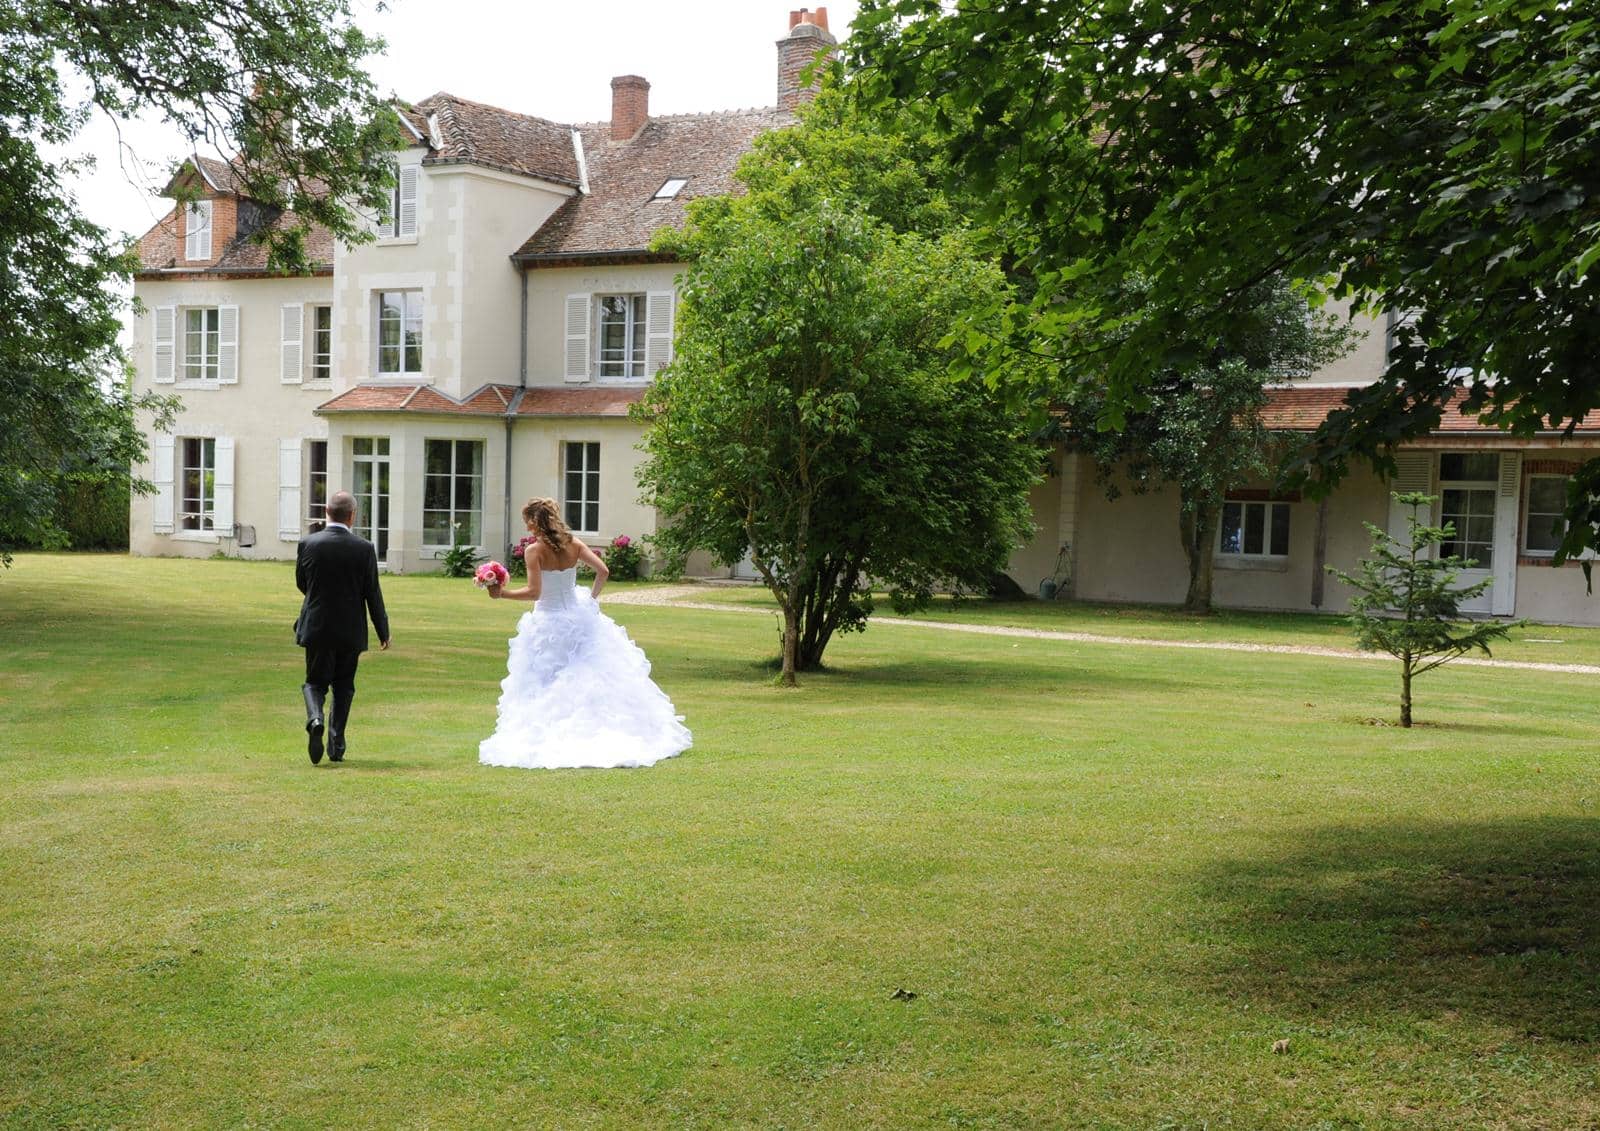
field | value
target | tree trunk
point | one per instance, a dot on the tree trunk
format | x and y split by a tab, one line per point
791	641
1196	524
1405	693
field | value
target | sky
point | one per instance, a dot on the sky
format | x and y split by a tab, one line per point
551	58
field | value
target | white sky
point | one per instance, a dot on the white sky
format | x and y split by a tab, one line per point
552	58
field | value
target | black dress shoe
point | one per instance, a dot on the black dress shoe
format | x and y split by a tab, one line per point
336	748
314	741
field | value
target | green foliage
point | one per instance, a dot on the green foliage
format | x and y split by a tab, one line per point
277	83
460	560
809	416
1198	427
1435	158
1408	603
623	558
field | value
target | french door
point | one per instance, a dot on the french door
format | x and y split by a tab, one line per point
370	485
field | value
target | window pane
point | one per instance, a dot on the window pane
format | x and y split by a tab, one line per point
591	514
469	457
1545	531
437	459
1232	529
1547	494
573	514
361	446
1254	516
436	493
1469	466
1280	529
436	528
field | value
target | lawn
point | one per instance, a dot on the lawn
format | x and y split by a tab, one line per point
1112	876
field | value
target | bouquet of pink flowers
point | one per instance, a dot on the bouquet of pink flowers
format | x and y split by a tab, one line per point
490	573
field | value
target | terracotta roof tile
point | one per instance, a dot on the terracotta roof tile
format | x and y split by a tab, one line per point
473	133
1301	408
618	213
488	400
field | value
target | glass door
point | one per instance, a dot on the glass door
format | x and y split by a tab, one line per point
1468	484
370	485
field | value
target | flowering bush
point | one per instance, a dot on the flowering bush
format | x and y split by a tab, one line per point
519	567
490	573
623	558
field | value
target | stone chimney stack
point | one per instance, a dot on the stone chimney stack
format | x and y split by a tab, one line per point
808	37
630	106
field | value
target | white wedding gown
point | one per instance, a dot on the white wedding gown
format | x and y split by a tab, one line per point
577	691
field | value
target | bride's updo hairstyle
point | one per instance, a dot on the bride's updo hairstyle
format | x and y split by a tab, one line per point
545	518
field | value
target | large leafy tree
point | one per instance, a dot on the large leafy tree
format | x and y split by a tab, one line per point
809	418
1198	427
278	85
1434	158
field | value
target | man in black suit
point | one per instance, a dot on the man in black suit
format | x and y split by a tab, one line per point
337	570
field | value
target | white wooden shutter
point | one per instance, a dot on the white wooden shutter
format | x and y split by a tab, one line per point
197	231
577	337
1503	594
161	449
292	355
408	200
1413	472
289	489
166	331
222	516
658	331
227	345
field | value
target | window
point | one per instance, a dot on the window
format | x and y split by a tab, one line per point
317	481
452	492
400	214
197	501
322	343
670	188
622	336
399	333
1254	529
202	337
369	483
197	231
1547	520
1468	483
582	487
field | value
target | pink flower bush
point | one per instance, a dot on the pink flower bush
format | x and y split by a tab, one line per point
621	540
491	573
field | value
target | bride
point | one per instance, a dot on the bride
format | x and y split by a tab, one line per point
577	691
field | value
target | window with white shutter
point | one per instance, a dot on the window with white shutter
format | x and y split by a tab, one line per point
577	333
224	483
289	489
658	349
228	345
197	231
407	210
292	349
162	453
166	322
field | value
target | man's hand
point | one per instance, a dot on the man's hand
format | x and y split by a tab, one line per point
384	646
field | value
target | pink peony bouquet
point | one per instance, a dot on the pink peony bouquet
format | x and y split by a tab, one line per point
490	573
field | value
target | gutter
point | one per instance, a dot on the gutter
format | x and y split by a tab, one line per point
516	399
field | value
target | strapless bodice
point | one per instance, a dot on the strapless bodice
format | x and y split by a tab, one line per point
558	588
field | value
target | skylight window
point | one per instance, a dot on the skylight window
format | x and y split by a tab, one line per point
671	188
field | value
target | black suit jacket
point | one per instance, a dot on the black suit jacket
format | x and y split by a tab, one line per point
338	573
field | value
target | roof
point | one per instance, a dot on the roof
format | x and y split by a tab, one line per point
476	134
488	400
1301	408
158	249
618	215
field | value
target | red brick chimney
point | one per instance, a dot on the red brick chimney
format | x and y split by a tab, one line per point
630	106
808	37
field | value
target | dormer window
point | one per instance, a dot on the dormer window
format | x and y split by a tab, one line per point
671	188
197	231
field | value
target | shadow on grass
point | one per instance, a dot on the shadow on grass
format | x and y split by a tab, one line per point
1011	674
1494	919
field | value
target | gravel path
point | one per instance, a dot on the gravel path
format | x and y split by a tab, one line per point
680	597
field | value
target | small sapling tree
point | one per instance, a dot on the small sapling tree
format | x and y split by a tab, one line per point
1408	603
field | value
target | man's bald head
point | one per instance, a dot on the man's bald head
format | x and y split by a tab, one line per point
342	507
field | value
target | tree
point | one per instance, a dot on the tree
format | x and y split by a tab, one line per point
1199	428
1407	602
1432	159
277	83
808	418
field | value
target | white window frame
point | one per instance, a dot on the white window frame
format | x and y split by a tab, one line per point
197	236
1460	542
204	517
587	499
315	511
1267	507
635	334
401	222
406	319
452	514
321	374
211	359
670	188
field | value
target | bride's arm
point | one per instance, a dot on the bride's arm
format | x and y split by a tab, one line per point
530	591
593	560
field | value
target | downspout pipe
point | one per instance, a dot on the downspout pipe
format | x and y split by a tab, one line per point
516	401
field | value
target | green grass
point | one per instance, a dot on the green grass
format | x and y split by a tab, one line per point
1538	643
1112	875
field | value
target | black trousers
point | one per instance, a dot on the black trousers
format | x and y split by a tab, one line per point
332	668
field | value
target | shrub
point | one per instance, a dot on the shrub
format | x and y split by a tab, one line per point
623	558
459	560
